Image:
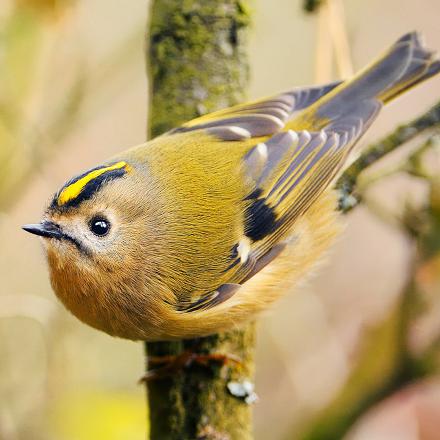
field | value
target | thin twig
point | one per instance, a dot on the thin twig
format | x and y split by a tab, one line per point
324	48
338	32
347	183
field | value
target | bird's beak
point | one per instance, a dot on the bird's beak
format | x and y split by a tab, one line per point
44	229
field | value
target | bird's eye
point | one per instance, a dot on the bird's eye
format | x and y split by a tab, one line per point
99	226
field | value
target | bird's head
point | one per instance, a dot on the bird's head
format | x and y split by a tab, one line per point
98	222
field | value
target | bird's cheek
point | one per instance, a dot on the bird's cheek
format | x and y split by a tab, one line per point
55	248
64	255
58	256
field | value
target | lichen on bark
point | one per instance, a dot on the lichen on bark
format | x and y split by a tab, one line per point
197	59
197	63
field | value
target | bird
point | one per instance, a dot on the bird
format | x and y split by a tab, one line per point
202	228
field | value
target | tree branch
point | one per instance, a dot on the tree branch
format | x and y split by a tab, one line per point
403	134
197	63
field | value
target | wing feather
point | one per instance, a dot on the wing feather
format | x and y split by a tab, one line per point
294	176
295	145
288	173
259	118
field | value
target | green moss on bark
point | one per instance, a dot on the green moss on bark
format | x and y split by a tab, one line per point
196	64
197	59
195	402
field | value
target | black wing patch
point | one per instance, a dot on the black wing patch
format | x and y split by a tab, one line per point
260	220
288	172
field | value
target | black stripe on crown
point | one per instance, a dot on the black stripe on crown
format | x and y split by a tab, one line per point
89	189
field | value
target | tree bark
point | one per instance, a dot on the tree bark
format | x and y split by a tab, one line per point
197	63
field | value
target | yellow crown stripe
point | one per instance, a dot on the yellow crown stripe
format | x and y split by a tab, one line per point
73	190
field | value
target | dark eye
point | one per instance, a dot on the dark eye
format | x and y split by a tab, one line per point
99	226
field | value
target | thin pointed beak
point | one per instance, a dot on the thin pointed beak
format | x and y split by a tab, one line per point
44	229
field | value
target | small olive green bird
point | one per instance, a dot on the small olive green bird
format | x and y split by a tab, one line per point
199	229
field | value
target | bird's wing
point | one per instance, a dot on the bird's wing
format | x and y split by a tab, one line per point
260	118
301	144
286	174
290	171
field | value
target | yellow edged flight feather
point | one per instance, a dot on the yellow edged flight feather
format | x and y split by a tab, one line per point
219	217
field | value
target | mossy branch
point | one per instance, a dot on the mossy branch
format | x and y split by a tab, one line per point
197	63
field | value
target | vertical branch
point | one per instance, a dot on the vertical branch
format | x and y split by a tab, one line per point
197	63
197	60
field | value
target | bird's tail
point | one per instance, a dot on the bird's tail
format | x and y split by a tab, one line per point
406	63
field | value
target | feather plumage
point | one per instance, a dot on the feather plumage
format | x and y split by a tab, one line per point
218	217
290	169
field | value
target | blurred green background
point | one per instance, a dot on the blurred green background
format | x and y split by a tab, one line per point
73	92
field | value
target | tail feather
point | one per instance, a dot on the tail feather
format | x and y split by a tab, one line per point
432	69
406	63
421	64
